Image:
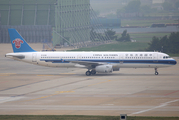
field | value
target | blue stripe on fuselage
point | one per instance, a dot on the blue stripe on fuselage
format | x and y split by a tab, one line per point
169	62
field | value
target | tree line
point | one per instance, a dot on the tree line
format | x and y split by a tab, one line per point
125	37
166	44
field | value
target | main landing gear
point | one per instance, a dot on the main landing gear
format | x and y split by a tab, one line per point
156	73
92	72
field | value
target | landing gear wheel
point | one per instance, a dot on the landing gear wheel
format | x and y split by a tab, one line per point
93	72
88	73
156	73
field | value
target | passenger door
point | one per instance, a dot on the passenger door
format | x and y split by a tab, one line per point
155	57
34	57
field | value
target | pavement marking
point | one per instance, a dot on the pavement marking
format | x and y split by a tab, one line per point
6	74
3	82
59	74
23	85
67	73
8	99
45	75
60	92
171	93
99	83
57	93
162	105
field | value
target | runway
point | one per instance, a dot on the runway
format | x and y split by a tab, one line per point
27	89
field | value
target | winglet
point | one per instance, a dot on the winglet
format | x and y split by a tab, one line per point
18	42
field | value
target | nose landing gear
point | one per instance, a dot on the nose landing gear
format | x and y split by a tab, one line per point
156	72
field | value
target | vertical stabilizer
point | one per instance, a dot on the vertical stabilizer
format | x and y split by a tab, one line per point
18	42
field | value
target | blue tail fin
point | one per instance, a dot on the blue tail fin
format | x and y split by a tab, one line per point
18	43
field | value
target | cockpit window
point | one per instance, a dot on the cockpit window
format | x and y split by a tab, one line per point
165	57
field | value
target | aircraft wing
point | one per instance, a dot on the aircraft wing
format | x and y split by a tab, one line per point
88	64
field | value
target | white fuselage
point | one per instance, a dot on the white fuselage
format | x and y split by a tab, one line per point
116	59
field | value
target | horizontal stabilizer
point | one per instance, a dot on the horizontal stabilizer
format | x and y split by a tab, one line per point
15	55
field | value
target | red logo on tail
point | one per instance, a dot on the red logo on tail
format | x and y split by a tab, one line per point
17	42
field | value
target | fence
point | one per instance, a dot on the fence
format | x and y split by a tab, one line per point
32	34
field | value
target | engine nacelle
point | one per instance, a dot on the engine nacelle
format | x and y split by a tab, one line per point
104	68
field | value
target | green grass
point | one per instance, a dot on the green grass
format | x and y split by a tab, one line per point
149	34
119	46
144	22
78	117
145	37
164	13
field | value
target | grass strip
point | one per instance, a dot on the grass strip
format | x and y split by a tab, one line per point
119	46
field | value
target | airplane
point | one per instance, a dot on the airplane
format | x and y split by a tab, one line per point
94	62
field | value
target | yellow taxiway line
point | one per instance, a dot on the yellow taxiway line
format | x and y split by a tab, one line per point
71	91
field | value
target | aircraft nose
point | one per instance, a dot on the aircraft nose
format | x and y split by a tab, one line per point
174	62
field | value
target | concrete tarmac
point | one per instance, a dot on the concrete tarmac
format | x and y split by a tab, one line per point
27	89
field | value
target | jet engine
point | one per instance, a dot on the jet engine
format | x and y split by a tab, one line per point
104	68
